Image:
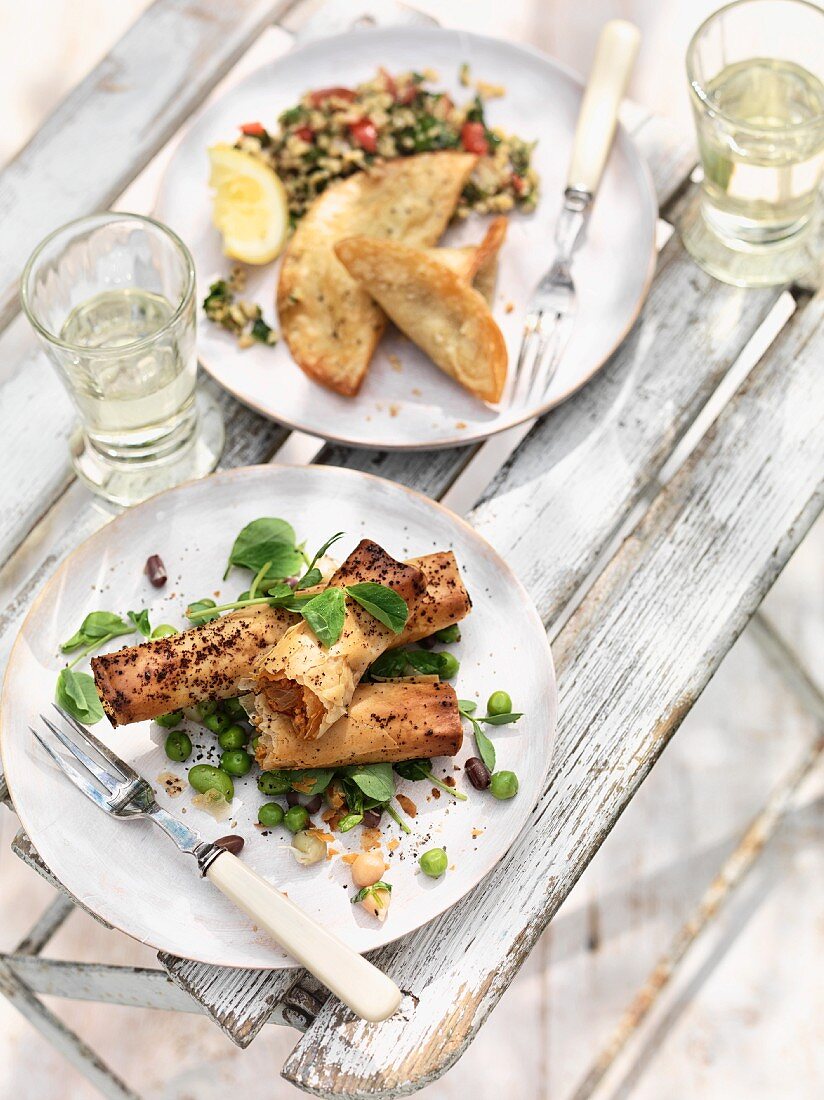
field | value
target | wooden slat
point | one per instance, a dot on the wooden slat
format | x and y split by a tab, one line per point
631	663
239	1001
23	847
114	122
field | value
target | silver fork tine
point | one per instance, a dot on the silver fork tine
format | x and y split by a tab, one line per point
105	752
109	781
547	359
71	772
523	373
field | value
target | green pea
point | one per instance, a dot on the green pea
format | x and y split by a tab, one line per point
448	665
235	737
499	703
234	708
433	862
165	630
273	784
203	777
503	785
236	762
168	721
217	723
270	814
207	707
296	818
178	746
449	634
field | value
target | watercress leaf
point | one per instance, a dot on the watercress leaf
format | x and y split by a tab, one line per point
309	579
96	625
467	706
266	539
413	769
310	780
381	602
194	609
391	664
141	621
501	719
486	750
77	694
354	797
325	614
375	780
349	822
75	642
428	664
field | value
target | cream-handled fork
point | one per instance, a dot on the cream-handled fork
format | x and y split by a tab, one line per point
551	313
118	790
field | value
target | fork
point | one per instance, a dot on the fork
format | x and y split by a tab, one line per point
551	314
118	790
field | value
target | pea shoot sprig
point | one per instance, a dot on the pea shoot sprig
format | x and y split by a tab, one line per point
325	612
499	713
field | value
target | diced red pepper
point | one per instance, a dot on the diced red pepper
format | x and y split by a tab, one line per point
255	129
322	94
364	133
473	138
518	184
389	82
305	133
408	94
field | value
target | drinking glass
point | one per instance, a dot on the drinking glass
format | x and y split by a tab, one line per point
112	299
756	75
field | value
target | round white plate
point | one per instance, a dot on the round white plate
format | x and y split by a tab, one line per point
418	406
127	871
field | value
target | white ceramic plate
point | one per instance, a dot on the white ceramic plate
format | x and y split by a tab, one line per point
133	877
418	406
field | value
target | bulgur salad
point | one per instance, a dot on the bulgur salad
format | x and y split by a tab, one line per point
336	131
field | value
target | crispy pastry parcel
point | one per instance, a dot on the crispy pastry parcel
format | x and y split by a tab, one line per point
330	324
392	722
435	308
475	264
208	661
313	684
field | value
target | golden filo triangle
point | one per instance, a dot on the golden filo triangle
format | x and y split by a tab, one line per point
436	308
330	324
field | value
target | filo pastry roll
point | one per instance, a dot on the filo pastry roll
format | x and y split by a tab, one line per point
384	722
312	684
208	661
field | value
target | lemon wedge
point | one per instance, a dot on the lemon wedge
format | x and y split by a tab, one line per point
250	208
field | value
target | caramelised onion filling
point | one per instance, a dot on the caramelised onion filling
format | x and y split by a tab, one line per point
285	696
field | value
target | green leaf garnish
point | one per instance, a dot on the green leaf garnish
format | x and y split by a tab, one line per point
141	621
374	780
501	719
415	770
299	778
467	706
349	822
97	626
486	750
202	611
77	694
266	540
382	602
367	891
313	576
325	614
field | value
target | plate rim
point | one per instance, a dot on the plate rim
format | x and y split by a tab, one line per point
264	469
488	432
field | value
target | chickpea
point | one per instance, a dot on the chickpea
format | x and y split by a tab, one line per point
376	902
367	869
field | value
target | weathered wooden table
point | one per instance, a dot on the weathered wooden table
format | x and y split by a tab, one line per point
648	517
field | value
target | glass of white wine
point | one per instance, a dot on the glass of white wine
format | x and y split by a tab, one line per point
756	74
112	299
